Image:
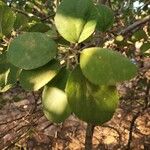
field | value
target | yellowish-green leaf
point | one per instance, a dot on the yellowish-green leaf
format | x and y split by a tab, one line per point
76	19
106	67
55	104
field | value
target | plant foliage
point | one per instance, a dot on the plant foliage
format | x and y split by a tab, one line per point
69	50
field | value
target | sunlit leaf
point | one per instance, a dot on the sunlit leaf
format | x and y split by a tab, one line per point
106	67
75	19
55	104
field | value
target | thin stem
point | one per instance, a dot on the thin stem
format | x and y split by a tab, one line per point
89	136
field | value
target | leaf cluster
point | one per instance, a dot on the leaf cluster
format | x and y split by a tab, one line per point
53	57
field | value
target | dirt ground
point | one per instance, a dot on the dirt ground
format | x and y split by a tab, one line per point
23	126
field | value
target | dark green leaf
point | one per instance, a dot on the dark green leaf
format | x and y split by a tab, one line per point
39	27
35	79
138	35
145	47
60	79
31	50
91	103
105	17
21	21
7	18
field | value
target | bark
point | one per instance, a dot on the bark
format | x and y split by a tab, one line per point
135	25
89	136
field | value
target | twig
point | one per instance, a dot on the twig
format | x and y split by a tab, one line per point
89	136
21	134
137	115
22	12
147	94
131	129
48	17
135	25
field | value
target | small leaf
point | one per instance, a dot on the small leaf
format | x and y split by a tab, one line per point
106	67
138	35
55	104
145	48
119	38
35	79
31	50
7	19
4	71
91	103
105	17
21	21
76	20
39	27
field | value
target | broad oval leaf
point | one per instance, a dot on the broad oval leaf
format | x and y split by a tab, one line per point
7	19
106	67
91	103
105	17
35	79
55	104
31	50
76	20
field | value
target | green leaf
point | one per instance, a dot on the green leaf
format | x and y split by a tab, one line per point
76	20
55	104
8	74
31	50
119	38
60	79
4	71
21	21
105	17
7	18
39	27
35	79
145	48
91	103
138	35
106	67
